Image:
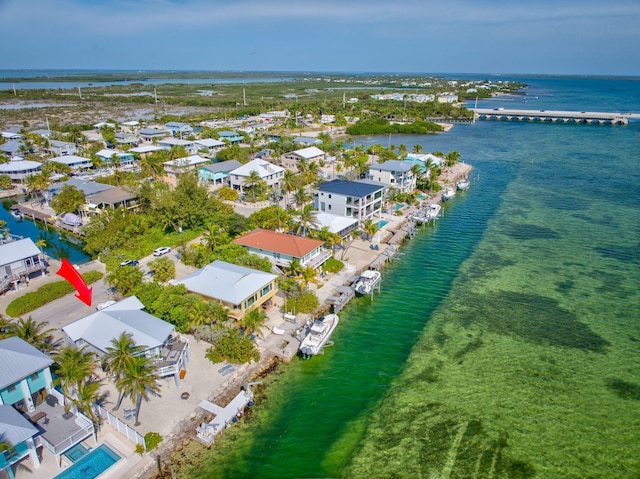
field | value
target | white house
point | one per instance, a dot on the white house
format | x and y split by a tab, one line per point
180	165
210	144
313	153
18	261
18	169
395	174
62	148
168	143
268	172
354	199
178	129
76	163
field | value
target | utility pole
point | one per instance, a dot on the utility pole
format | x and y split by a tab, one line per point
244	98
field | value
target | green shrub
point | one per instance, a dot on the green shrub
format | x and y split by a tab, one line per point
233	348
305	302
139	449
332	265
45	294
152	439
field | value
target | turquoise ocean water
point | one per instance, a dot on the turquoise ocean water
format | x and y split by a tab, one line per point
506	341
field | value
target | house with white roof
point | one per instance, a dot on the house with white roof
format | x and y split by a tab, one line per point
211	145
336	224
238	288
19	169
30	407
292	160
305	140
76	163
124	159
231	136
217	173
19	260
360	199
145	150
394	173
268	172
12	147
156	337
180	165
424	159
168	143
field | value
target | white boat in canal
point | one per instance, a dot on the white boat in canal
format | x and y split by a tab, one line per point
448	193
318	335
367	281
463	185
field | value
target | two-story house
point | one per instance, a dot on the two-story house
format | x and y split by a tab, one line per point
394	173
123	159
231	136
217	174
180	165
179	129
211	145
76	163
62	148
151	134
281	248
267	172
237	288
19	260
168	143
19	169
362	199
292	159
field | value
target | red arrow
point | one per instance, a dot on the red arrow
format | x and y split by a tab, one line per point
68	272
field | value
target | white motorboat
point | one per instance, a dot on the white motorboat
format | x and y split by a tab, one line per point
318	335
433	211
367	281
463	185
448	193
429	213
17	214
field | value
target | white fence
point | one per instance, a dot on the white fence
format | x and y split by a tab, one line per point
123	428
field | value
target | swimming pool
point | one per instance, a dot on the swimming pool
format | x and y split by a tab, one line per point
381	223
398	207
76	453
91	465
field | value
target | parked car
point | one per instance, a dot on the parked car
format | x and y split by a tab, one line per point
161	251
130	262
106	304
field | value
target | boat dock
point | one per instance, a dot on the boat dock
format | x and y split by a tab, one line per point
343	295
36	214
223	416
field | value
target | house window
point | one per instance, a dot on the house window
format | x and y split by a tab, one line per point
349	200
329	207
349	212
250	301
11	388
34	376
266	289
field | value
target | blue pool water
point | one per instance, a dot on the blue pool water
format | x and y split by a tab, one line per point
76	452
398	207
381	223
91	465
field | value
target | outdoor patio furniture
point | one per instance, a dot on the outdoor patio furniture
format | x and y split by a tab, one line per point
38	416
185	395
51	400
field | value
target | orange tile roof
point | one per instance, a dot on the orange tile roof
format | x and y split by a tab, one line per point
295	246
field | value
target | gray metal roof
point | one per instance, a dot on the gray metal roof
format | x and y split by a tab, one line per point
18	359
17	250
393	165
14	427
357	189
11	146
98	329
227	282
222	166
88	188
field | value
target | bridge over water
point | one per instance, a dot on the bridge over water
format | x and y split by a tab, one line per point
556	116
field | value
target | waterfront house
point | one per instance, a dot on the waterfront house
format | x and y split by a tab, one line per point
150	134
76	163
304	140
178	129
62	148
156	337
268	172
168	143
180	165
424	159
210	145
218	173
87	187
19	169
116	197
19	260
395	174
237	288
336	224
125	160
26	387
281	249
292	160
231	136
360	199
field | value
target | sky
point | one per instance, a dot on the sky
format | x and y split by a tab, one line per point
403	36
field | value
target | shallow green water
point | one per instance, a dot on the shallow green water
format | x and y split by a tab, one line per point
505	344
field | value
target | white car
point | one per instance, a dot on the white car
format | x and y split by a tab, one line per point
104	305
161	251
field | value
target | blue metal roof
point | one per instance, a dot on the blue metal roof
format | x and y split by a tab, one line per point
356	189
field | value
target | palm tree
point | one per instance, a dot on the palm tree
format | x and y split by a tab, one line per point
137	381
306	276
369	228
120	355
34	333
452	158
214	235
88	394
252	180
252	322
294	267
289	182
306	219
301	197
417	148
73	366
37	184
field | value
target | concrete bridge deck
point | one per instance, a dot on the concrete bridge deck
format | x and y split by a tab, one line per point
560	116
